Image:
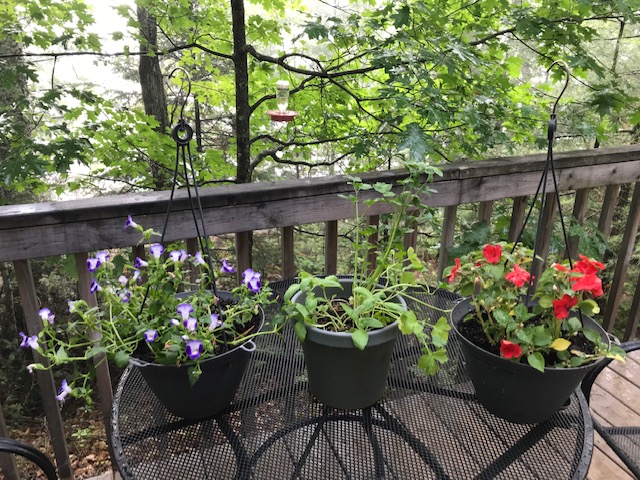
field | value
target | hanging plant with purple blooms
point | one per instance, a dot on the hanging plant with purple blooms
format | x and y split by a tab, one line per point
152	309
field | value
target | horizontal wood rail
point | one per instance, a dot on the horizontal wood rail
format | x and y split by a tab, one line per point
81	226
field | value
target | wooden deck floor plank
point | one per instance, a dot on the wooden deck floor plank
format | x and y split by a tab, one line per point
620	388
612	410
629	369
605	464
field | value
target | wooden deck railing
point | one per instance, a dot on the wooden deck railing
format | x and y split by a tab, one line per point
81	226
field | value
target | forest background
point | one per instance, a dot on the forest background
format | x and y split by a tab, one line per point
449	79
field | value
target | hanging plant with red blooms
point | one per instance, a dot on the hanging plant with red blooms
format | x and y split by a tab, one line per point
544	329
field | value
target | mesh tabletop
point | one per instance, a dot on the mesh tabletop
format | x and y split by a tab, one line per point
424	427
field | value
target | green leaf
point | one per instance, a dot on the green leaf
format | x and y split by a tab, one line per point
300	330
121	359
302	310
360	339
193	374
536	360
589	307
291	291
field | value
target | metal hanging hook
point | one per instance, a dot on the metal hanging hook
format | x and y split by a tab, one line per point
567	72
186	98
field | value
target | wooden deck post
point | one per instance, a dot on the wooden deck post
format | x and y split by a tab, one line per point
30	307
624	257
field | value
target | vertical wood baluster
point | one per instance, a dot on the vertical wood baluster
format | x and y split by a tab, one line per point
517	217
446	240
485	209
545	231
331	247
608	208
634	315
372	254
622	264
411	239
579	213
7	461
100	361
287	252
46	385
242	253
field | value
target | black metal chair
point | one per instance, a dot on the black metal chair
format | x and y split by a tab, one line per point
16	447
624	441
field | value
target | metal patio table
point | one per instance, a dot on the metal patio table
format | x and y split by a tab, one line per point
424	427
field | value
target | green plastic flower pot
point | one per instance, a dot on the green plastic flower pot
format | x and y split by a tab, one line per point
513	391
340	375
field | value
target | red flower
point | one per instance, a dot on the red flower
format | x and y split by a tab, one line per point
518	276
492	253
559	267
561	307
587	266
454	271
590	283
509	349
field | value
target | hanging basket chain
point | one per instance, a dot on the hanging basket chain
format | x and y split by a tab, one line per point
182	134
542	185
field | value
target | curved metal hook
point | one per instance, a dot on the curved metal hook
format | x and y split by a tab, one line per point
186	74
567	72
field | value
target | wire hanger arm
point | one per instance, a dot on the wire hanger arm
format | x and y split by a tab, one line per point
567	72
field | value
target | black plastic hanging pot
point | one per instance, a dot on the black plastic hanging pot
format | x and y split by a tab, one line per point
518	392
340	375
214	390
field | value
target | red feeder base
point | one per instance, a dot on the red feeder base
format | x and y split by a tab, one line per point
278	116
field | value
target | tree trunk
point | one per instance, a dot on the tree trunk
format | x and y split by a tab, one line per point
243	169
151	82
242	130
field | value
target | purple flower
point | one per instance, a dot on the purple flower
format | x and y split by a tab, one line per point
31	341
184	309
64	391
252	280
191	324
102	256
140	263
125	296
185	337
175	322
122	280
194	349
46	315
198	260
156	250
136	275
93	264
227	267
178	255
95	286
150	336
72	305
215	322
130	223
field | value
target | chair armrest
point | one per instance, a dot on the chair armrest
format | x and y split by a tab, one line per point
16	447
588	380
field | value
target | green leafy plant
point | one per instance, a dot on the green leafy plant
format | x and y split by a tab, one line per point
374	301
547	332
151	309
